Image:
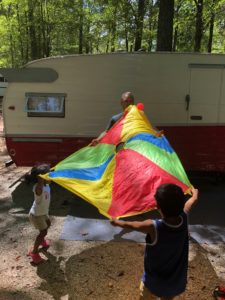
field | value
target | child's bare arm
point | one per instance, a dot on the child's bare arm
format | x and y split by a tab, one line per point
143	226
39	186
94	142
190	202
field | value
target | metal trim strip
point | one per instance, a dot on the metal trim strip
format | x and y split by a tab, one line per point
37	140
207	66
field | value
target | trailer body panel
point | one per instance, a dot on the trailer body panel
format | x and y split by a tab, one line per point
183	94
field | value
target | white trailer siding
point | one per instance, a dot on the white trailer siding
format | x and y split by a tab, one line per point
94	83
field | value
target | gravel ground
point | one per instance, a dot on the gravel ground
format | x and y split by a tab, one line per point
80	269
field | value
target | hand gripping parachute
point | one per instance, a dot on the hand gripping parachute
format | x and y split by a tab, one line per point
121	174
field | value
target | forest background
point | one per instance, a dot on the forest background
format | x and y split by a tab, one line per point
33	29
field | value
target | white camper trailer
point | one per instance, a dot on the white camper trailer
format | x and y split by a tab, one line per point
56	105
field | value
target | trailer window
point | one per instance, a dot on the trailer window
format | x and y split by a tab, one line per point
45	105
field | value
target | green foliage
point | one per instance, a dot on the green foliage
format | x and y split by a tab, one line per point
32	29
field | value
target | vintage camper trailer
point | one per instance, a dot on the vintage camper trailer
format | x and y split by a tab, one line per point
56	105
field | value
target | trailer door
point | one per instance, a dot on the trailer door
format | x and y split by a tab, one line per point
203	100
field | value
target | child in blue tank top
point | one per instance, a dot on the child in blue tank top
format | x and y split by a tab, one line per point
166	251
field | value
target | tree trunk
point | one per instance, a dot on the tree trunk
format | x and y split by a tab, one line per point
198	25
12	51
27	38
150	25
126	40
165	25
211	28
45	31
113	36
40	48
32	32
87	42
126	35
176	17
113	27
139	24
20	36
81	19
175	36
131	47
125	17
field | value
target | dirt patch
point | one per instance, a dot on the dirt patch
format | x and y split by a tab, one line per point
74	269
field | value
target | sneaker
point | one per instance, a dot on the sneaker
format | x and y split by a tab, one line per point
45	244
36	258
219	293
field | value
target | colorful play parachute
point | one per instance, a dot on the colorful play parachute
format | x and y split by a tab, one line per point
121	174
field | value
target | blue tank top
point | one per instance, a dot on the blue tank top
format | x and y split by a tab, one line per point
166	259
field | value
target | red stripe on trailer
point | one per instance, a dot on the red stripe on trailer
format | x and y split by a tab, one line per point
200	148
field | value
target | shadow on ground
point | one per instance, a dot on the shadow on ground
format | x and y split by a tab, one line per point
113	265
13	295
210	208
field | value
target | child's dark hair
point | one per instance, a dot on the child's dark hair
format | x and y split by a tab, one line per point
170	199
35	171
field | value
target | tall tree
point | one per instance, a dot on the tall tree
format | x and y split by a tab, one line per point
32	31
113	25
151	23
125	13
81	23
198	25
176	25
46	28
165	25
211	26
139	24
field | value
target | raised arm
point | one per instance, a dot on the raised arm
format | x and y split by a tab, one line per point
191	201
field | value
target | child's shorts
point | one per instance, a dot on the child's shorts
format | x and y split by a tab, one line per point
39	222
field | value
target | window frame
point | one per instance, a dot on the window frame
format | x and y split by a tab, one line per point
47	113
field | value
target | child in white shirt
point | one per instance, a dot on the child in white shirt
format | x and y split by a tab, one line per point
38	214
